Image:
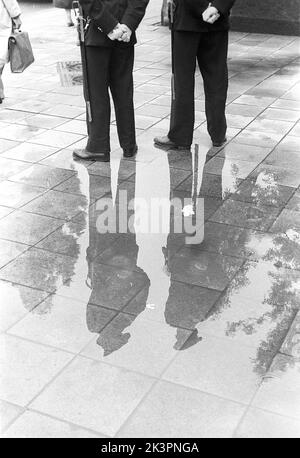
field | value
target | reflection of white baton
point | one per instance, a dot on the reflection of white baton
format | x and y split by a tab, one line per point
190	210
196	177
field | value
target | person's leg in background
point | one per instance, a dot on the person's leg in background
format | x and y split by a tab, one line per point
70	22
98	145
121	86
212	60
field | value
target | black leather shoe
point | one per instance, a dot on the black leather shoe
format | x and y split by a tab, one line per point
219	144
167	143
88	156
130	152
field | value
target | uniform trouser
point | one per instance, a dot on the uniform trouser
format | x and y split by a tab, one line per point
110	68
210	50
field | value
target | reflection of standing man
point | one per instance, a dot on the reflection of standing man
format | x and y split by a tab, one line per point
200	33
118	278
109	40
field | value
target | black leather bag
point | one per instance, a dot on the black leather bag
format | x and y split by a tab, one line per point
20	51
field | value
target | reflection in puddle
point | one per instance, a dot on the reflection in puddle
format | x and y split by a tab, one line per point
80	270
154	290
248	311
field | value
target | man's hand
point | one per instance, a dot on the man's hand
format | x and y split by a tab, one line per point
211	14
17	22
116	33
126	33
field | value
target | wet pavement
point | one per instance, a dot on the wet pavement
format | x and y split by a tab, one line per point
155	297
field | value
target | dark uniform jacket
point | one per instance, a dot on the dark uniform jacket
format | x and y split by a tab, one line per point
188	15
106	14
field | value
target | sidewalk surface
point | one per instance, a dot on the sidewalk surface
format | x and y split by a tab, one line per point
145	335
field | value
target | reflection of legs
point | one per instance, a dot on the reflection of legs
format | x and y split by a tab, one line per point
1	83
121	86
185	51
212	59
98	59
69	18
114	336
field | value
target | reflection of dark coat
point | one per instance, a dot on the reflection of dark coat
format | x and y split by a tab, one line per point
188	16
106	14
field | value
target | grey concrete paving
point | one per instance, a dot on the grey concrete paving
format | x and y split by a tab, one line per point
141	332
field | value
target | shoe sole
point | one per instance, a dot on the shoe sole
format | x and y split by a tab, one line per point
94	158
180	148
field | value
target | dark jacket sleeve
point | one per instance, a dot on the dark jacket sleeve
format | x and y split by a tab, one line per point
223	6
103	18
100	13
134	13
